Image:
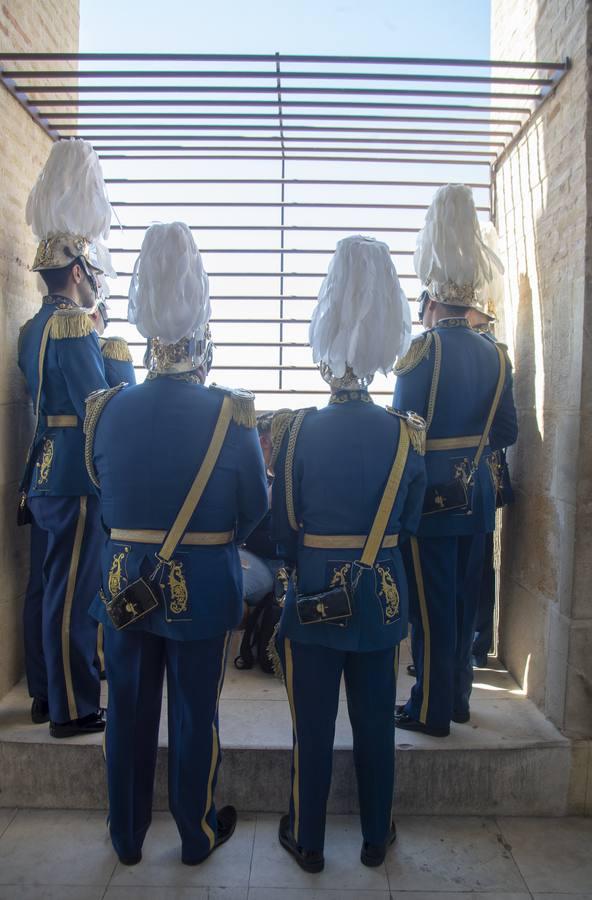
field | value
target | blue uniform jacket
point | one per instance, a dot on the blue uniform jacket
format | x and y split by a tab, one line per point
73	369
465	388
342	460
118	362
147	447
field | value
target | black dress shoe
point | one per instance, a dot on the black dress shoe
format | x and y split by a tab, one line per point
411	670
130	860
462	716
91	724
373	854
310	860
226	823
480	661
39	711
406	723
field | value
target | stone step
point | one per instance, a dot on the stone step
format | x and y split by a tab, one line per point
509	760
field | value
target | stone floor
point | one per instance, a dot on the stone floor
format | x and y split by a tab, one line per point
65	855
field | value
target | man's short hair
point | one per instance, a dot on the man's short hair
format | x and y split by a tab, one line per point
264	421
57	279
454	310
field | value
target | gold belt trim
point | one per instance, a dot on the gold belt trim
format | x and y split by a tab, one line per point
61	421
192	538
344	541
455	443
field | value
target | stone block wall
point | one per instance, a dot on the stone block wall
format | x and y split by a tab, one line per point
543	203
25	26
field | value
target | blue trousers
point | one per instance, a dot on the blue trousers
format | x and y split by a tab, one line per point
313	676
483	639
61	597
135	663
444	575
35	668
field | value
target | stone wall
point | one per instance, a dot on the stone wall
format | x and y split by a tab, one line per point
543	217
25	26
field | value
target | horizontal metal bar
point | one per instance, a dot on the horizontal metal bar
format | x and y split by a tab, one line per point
247	297
354	229
368	143
290	181
268	274
241	204
293	104
469	156
291	157
81	131
254	250
258	89
235	74
241	321
284	58
243	117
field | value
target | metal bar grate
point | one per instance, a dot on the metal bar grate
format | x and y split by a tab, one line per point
281	155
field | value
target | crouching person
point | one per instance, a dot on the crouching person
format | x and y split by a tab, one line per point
182	482
349	485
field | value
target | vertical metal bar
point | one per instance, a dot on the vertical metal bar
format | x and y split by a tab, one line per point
282	221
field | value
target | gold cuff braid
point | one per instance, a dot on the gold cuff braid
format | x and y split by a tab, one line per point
95	404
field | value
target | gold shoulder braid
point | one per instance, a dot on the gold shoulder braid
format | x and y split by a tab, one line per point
419	349
70	323
289	467
416	428
95	404
115	348
280	423
243	405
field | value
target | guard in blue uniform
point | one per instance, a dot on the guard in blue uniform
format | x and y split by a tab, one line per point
145	445
462	385
331	475
60	357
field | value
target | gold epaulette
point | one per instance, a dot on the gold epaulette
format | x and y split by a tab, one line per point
415	425
116	348
70	323
243	405
419	349
95	404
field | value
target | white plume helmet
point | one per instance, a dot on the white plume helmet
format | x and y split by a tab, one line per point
69	196
169	294
451	258
362	319
490	298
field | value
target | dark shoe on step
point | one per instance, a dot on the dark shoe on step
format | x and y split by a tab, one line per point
406	723
373	854
480	661
130	860
39	711
411	670
226	819
92	724
310	860
462	716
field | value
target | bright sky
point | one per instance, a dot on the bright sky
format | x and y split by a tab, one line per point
414	28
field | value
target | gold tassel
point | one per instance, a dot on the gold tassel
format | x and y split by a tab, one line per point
243	408
273	655
70	323
417	438
95	404
419	349
116	348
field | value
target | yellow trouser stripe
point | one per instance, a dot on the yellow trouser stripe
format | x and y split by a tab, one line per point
100	647
344	541
426	629
205	827
67	614
296	780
